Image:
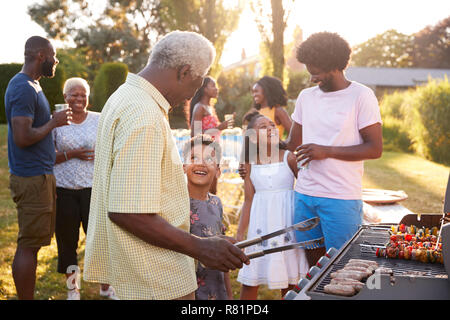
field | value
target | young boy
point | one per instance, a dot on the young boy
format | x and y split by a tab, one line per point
201	164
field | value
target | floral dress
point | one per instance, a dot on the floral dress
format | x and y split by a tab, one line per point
206	221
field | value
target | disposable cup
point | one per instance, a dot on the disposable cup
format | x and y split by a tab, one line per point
227	118
61	106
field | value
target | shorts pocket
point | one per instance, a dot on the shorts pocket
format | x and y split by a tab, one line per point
35	222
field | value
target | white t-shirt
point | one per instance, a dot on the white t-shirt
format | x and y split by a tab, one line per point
334	119
76	174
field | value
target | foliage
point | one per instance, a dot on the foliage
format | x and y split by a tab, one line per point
110	76
126	29
428	48
178	117
418	120
432	46
7	71
235	93
395	131
297	82
59	17
271	26
265	60
53	87
390	49
430	121
395	135
123	32
211	18
74	63
392	105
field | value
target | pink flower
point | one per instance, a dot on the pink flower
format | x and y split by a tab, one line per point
194	217
201	281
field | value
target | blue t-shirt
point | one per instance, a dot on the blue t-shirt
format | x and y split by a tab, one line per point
24	98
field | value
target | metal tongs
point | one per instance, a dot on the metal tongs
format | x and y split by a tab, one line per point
301	226
311	244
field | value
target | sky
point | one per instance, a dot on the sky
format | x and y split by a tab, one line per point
355	20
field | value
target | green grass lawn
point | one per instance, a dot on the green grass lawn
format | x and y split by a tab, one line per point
424	182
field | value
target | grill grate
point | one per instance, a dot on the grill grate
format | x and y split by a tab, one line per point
375	237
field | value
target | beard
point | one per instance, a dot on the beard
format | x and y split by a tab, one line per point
48	69
327	84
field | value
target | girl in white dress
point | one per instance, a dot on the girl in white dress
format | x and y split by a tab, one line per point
268	207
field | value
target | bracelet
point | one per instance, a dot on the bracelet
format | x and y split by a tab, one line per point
65	156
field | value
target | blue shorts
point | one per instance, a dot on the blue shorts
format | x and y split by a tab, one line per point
339	219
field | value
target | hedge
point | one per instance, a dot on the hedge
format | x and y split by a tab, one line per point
430	121
110	76
419	120
297	82
51	87
7	71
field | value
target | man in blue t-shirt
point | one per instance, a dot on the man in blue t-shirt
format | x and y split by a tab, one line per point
31	156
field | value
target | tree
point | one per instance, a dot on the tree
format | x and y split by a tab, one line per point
432	46
59	17
123	32
235	92
126	29
75	64
390	49
211	18
298	80
273	37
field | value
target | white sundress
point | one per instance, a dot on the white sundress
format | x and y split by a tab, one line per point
273	209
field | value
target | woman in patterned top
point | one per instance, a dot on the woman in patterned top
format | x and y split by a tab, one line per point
74	173
201	112
202	157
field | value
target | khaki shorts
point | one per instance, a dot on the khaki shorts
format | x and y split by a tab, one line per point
35	198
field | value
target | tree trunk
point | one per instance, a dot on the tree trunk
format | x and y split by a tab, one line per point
277	47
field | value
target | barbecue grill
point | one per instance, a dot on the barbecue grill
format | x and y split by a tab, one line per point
410	279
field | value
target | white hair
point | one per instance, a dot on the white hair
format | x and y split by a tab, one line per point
76	82
179	48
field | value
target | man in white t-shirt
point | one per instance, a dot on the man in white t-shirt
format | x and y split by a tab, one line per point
337	125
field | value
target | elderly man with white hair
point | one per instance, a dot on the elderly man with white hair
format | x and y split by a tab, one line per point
138	236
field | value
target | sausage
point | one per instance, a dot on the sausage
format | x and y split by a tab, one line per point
355	268
372	268
382	270
360	269
369	262
340	289
342	274
369	268
358	285
358	264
